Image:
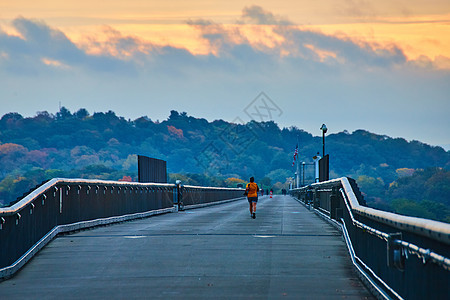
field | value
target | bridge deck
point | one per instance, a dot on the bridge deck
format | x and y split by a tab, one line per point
213	252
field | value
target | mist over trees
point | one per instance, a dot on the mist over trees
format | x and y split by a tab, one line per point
394	174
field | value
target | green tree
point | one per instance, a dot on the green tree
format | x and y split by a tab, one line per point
372	187
279	175
265	182
63	114
410	208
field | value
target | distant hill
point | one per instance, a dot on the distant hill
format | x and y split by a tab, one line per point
104	145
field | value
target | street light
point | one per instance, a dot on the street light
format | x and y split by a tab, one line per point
324	130
316	159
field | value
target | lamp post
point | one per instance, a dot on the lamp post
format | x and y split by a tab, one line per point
316	159
324	130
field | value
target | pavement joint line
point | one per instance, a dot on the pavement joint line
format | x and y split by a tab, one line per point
205	276
199	234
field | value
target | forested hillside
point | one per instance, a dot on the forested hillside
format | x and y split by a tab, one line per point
104	145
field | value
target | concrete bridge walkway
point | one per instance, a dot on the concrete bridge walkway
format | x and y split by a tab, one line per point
287	252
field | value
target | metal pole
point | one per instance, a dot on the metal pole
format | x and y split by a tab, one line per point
324	130
303	165
316	167
323	143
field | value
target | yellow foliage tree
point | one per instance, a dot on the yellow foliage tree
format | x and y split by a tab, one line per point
402	172
233	182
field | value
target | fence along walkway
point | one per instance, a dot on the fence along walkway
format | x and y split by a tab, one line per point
214	252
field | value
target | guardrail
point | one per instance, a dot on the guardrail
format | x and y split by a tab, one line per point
398	257
195	196
65	205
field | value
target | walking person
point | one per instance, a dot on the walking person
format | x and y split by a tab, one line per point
252	196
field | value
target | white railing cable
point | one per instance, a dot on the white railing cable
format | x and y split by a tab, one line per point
380	234
425	254
357	262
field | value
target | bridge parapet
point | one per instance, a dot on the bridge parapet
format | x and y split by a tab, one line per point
63	205
397	256
196	196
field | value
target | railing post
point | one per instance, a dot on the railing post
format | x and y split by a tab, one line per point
316	200
334	203
395	256
178	196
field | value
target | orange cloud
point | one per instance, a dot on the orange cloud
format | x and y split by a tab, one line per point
417	36
155	24
53	63
322	54
416	39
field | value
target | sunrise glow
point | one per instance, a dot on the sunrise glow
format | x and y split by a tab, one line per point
417	30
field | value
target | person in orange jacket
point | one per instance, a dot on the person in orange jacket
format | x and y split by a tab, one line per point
252	196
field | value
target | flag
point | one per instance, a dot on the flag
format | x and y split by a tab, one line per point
295	154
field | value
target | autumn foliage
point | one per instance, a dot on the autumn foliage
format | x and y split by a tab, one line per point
200	152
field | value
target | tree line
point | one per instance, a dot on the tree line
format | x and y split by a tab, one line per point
218	153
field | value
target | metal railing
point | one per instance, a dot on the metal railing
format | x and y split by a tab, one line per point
195	196
398	256
65	205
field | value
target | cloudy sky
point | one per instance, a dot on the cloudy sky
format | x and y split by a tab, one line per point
382	65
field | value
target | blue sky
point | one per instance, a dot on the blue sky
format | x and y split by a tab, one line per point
313	77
